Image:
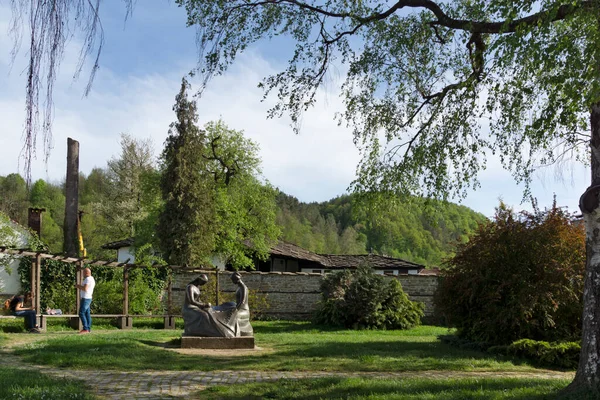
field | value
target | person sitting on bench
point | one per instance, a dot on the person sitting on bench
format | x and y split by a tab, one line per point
17	308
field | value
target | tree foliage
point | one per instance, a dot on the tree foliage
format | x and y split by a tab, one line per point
362	299
422	75
125	174
244	205
186	223
518	277
408	228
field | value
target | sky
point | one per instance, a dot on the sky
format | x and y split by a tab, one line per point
141	67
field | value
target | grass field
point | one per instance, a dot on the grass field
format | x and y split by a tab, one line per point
291	346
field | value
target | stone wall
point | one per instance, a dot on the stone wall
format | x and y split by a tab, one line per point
295	295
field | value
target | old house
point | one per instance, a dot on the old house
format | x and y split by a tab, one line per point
287	257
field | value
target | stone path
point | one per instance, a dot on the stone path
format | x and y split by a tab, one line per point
180	384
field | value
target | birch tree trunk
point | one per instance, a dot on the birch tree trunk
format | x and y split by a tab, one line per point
587	377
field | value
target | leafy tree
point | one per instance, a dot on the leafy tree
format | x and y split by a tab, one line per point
51	198
185	227
363	299
14	198
245	207
125	184
423	78
518	277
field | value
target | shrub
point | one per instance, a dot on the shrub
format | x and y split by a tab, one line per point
363	299
554	354
519	276
565	355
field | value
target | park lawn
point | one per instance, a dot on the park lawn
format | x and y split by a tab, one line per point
22	384
285	346
405	389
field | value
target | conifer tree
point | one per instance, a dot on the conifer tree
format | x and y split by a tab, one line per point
185	224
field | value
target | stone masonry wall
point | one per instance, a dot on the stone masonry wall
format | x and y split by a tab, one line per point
295	295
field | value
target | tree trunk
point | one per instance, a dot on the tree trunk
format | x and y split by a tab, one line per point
71	238
587	378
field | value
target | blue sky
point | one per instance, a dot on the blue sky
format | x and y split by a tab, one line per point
141	67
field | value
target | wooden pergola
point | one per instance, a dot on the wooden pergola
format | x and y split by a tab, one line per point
125	320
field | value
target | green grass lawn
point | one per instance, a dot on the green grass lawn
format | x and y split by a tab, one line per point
285	346
405	389
22	384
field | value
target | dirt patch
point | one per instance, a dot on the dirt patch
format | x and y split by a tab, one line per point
224	352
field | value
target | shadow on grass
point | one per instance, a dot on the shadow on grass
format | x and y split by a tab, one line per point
275	327
131	352
342	388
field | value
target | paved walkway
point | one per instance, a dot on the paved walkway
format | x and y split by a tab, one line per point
180	384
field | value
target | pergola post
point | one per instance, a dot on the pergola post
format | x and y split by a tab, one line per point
217	287
32	279
169	318
125	321
76	322
37	292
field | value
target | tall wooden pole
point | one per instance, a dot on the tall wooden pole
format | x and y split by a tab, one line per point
125	290
71	239
38	291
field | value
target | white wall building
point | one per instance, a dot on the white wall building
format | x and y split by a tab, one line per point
15	236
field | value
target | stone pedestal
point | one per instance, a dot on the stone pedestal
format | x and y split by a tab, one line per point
198	342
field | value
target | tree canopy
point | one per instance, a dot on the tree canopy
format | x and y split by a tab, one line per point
433	88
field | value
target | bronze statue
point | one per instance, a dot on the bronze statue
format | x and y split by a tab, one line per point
231	319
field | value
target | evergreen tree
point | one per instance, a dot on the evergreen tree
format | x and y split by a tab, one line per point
185	227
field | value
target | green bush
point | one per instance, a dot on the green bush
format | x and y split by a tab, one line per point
363	299
520	276
547	354
564	355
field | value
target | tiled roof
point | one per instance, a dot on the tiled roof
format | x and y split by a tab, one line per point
118	244
377	261
333	261
286	249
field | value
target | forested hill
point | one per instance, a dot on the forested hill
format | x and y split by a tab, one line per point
409	230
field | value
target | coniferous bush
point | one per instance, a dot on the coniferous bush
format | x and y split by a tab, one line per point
363	299
519	277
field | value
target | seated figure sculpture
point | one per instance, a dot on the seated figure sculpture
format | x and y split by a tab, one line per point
231	319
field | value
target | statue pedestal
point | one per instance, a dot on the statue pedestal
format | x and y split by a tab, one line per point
199	342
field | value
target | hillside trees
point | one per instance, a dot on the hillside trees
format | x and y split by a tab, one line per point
421	231
424	77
